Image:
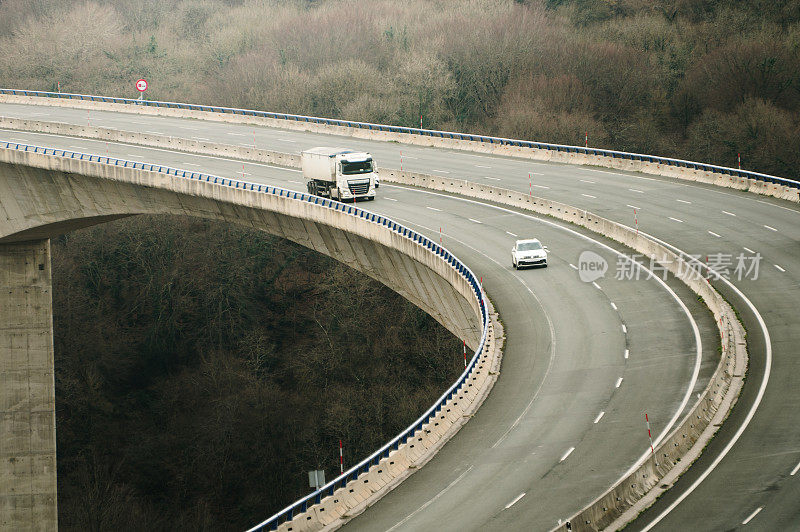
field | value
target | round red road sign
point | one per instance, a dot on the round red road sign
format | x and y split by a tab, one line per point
141	85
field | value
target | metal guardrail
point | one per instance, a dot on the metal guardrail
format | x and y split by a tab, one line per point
417	131
353	473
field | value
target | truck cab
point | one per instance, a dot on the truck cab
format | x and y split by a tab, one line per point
339	173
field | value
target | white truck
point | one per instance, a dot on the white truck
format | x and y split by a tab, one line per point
339	173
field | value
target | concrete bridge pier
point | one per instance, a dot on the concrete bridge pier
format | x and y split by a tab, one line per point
27	389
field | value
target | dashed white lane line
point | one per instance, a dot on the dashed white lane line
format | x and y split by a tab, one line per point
795	470
684	201
492	178
569	452
619	381
573	266
421	508
540	186
287	140
624	329
712	233
587	181
434	209
236	134
190	128
515	501
752	515
589	196
729	213
599	416
388	198
297	182
636	190
780	269
191	164
79	147
676	220
409	157
154	132
612	304
474	220
482	166
200	138
510	233
440	171
627	354
748	250
633	207
596	285
771	228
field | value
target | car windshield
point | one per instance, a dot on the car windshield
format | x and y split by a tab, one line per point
528	246
360	167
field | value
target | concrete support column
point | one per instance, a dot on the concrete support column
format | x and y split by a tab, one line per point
27	389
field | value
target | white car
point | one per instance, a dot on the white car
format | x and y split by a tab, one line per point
528	252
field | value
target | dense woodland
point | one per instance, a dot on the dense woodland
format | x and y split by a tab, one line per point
203	369
697	79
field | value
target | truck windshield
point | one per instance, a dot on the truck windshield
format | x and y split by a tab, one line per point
360	167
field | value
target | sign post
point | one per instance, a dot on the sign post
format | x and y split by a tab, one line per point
316	479
141	86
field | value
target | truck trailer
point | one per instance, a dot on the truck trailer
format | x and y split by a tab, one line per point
339	173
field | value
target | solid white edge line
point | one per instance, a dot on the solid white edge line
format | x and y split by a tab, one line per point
750	414
418	510
599	416
515	501
569	452
752	515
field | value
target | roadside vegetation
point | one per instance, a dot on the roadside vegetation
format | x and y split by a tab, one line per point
203	369
697	79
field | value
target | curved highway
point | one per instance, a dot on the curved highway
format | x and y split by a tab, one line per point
565	419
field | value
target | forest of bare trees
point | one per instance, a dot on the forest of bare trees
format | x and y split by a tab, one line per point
698	79
203	369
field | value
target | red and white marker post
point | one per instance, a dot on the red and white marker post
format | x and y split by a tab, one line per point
530	185
587	139
636	222
440	236
739	158
465	353
341	458
647	420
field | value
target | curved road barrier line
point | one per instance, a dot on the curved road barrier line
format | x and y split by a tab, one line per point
756	182
425	423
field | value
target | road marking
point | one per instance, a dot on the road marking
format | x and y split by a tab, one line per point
515	501
418	510
587	181
573	266
191	164
752	515
440	171
589	196
237	134
779	268
624	329
134	155
474	220
619	381
596	285
540	186
390	199
298	182
599	416
676	220
409	157
633	207
748	250
712	233
200	138
771	228
795	470
636	190
154	132
79	147
569	452
612	304
627	354
434	209
482	166
684	201
729	213
510	233
287	140
492	178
